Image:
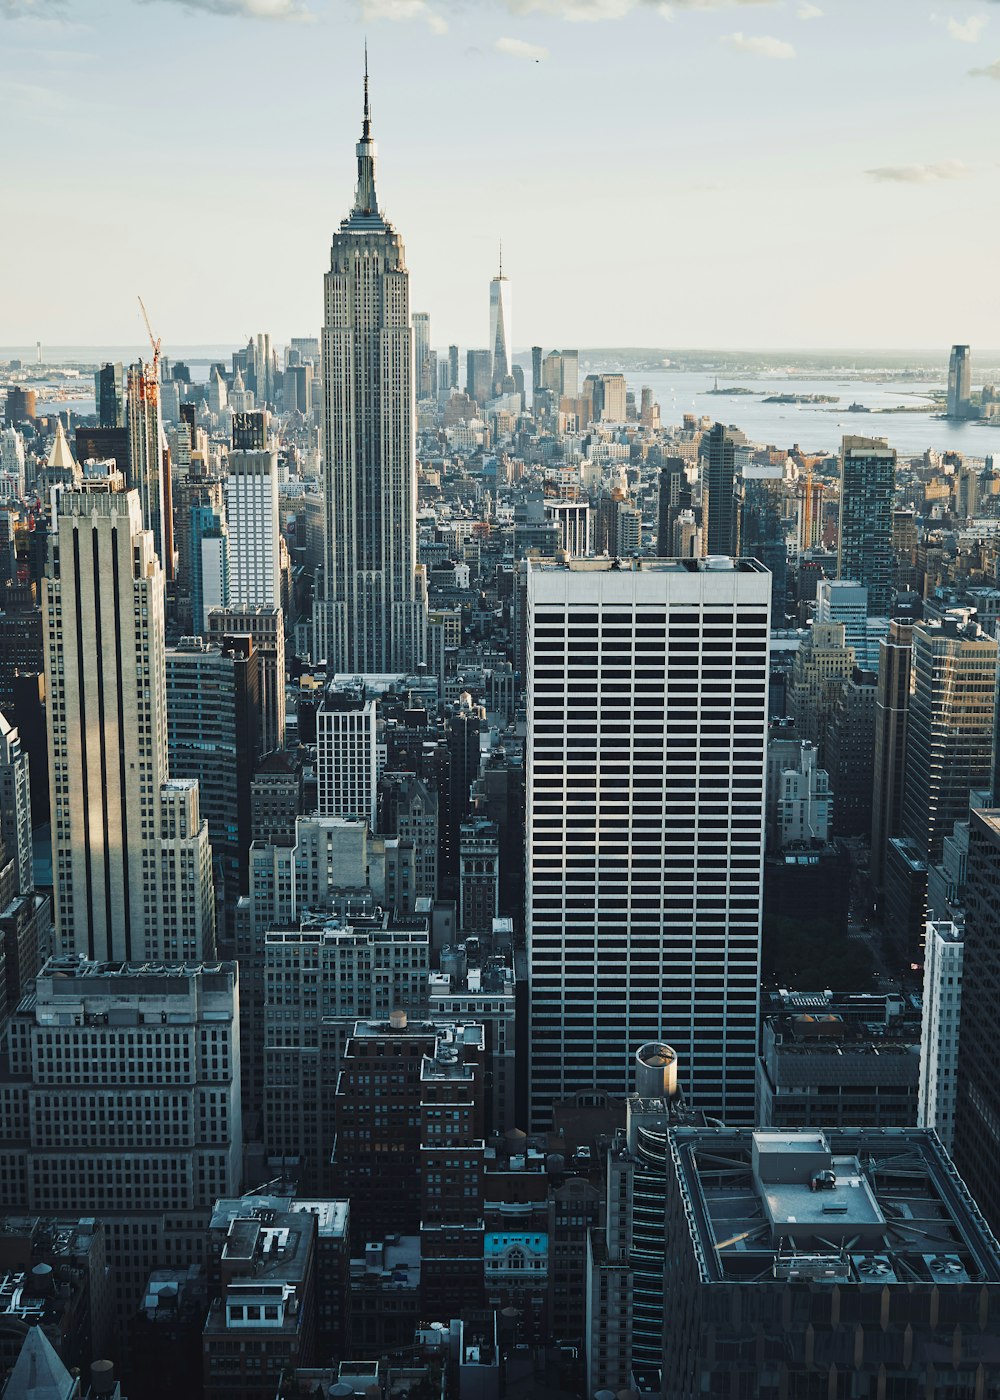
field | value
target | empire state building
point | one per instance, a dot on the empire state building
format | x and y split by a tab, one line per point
371	607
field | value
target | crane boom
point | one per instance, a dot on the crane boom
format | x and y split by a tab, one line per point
153	340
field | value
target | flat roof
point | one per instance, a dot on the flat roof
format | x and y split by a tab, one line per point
896	1211
331	1215
795	1209
713	564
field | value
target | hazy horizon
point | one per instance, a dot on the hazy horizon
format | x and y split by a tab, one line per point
918	355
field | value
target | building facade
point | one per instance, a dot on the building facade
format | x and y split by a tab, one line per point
213	735
944	953
147	466
15	806
959	381
647	724
253	527
949	739
347	756
121	1097
793	1267
977	1110
838	1061
105	677
892	706
266	625
719	515
867	485
371	617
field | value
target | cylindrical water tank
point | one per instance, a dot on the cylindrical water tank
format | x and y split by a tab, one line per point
41	1281
102	1378
655	1071
397	1020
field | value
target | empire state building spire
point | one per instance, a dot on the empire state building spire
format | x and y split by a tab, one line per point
365	199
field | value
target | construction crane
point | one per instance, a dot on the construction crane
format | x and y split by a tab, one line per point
154	341
151	375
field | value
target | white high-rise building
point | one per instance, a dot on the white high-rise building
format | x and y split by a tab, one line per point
573	519
15	806
799	800
501	342
105	680
347	756
186	924
253	523
218	391
944	953
11	464
647	729
372	606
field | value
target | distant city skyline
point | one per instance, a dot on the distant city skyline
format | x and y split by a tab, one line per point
844	148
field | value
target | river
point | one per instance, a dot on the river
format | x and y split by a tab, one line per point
819	427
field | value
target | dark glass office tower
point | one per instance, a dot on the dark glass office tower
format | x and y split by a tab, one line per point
867	483
977	1112
109	391
718	501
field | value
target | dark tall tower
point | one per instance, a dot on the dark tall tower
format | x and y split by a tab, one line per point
719	526
977	1113
867	484
891	712
109	386
478	372
675	496
959	382
949	740
762	530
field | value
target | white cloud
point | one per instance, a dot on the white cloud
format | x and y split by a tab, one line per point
992	70
920	174
716	4
967	31
760	45
582	11
29	9
807	10
287	10
35	98
405	11
589	10
520	48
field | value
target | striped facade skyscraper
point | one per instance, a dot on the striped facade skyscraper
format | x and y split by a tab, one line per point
647	728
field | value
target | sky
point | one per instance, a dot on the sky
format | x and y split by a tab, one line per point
696	173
